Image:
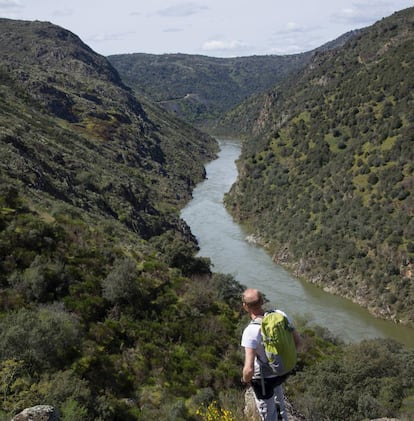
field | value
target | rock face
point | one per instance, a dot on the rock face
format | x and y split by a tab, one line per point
386	419
37	413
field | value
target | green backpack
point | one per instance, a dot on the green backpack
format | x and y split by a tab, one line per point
278	342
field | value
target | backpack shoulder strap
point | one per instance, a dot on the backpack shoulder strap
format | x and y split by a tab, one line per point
257	320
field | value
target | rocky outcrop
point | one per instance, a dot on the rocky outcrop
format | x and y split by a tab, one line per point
37	413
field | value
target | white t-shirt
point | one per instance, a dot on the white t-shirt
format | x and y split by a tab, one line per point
252	338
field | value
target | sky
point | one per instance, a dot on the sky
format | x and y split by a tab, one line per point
217	28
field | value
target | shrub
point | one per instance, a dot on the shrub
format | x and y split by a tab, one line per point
365	380
120	286
372	179
43	338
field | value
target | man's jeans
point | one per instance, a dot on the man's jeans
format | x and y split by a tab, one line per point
268	408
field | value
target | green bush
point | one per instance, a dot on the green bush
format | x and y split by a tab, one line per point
121	286
44	338
366	380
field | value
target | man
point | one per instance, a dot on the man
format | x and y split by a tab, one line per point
253	371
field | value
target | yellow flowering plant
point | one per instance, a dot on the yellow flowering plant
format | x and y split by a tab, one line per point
214	413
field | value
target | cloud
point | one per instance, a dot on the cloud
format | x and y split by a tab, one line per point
219	45
294	38
292	43
182	10
10	8
63	12
351	16
173	30
363	12
105	36
293	27
10	4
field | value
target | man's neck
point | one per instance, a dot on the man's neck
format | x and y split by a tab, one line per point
256	315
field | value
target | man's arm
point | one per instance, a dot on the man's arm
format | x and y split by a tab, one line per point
248	369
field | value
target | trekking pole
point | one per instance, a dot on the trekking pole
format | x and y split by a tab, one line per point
262	381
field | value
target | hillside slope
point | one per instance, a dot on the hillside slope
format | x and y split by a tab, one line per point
90	142
103	306
326	173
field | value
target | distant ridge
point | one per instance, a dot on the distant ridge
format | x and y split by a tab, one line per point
199	89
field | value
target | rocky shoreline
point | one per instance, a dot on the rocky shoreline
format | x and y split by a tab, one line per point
298	269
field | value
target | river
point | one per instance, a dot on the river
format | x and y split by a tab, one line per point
224	242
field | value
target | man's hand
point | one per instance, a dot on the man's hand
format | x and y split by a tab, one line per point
244	383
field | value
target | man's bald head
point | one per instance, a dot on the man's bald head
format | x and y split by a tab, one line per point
253	299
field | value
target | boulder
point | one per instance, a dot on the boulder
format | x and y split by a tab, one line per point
37	413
